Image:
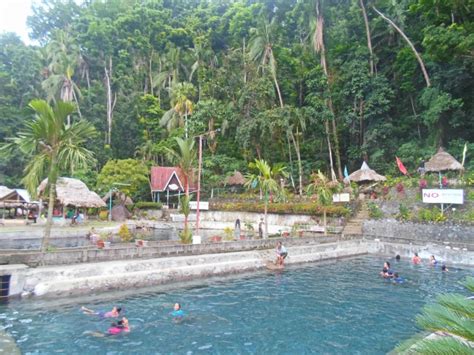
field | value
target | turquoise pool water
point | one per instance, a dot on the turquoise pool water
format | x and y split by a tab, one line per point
337	307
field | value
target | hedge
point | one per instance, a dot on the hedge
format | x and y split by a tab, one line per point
146	205
306	208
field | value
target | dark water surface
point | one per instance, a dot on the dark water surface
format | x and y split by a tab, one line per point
336	307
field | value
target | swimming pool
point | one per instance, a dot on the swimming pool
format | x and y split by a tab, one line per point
334	307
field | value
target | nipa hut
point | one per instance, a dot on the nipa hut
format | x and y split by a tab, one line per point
4	191
366	174
72	192
236	179
442	161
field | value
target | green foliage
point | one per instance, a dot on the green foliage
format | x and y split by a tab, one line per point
186	236
431	215
304	208
103	215
452	315
404	213
184	206
146	205
229	233
374	210
129	176
124	234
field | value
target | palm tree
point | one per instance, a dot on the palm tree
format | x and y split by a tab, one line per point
53	146
182	107
265	180
324	189
63	56
261	50
452	315
184	157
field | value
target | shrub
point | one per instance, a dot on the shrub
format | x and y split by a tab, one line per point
147	205
228	231
103	215
422	184
400	188
404	213
374	210
124	233
186	236
431	215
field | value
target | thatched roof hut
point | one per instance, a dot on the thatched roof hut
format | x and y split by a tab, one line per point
442	161
236	179
366	174
73	192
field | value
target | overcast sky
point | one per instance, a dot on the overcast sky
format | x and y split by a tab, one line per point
13	14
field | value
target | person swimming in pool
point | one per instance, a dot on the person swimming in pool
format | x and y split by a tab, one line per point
433	260
114	313
416	259
386	271
177	313
444	268
120	327
397	279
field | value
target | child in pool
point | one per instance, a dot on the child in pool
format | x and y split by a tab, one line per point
397	279
433	261
114	313
177	313
416	259
119	327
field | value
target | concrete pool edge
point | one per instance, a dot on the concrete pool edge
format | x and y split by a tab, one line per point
79	279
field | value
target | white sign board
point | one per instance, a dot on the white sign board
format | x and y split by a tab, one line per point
341	197
452	196
203	205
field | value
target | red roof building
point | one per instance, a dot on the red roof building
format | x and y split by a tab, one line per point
165	178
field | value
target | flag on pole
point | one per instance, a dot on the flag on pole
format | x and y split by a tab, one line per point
346	173
464	154
401	167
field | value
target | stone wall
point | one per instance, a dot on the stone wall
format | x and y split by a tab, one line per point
66	280
153	250
460	236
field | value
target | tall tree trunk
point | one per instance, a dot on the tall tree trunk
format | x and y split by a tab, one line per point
291	161
361	123
369	39
278	90
111	100
300	165
243	60
325	221
320	47
52	179
150	76
417	55
265	234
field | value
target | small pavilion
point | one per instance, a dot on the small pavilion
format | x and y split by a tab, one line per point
168	181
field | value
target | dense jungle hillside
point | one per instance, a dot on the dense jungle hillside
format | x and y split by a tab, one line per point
308	84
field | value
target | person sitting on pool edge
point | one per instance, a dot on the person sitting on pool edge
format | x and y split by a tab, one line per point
281	254
177	313
416	259
386	271
114	313
397	279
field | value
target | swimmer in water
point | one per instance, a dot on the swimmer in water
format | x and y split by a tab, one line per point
114	313
177	313
444	268
397	279
386	271
120	327
433	260
416	259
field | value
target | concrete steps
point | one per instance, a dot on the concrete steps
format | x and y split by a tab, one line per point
354	225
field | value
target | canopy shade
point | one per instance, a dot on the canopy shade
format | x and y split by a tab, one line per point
235	179
442	161
73	192
366	174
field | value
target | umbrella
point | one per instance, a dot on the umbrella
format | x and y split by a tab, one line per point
366	174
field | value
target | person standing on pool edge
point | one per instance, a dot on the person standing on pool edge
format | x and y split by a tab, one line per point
260	229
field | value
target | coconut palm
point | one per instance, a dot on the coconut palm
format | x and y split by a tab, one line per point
184	156
265	180
181	107
261	50
63	56
324	189
453	316
53	146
